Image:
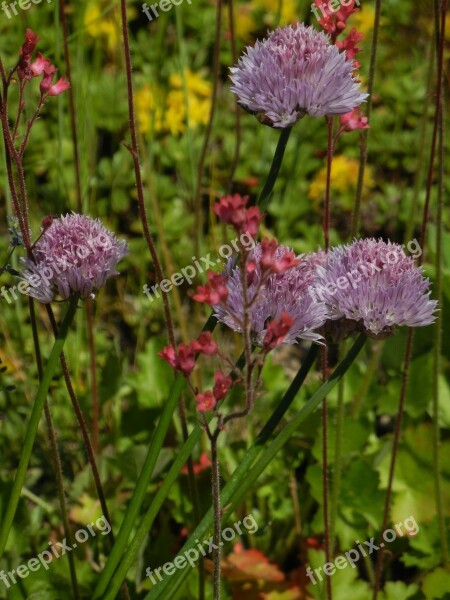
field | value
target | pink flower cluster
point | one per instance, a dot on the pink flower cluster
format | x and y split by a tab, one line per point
232	210
334	24
182	359
41	66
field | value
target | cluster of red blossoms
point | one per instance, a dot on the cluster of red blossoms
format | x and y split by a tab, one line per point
183	359
26	69
232	210
334	23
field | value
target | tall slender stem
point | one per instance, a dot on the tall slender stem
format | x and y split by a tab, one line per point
237	146
73	114
326	234
250	468
326	212
364	136
408	353
84	429
93	370
438	326
55	454
33	424
266	192
339	432
134	151
206	140
215	477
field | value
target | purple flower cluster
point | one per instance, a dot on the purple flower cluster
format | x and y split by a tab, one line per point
293	72
284	292
384	288
75	255
370	285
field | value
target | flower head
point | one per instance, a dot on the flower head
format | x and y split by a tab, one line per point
285	292
374	283
75	255
353	120
293	72
206	402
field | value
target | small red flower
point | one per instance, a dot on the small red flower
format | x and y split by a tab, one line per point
206	402
47	79
204	344
231	209
59	87
186	359
252	222
40	65
31	40
335	22
277	331
215	291
169	355
350	45
353	120
182	359
269	261
222	385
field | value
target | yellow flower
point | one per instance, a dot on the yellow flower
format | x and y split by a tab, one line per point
344	177
149	109
169	113
104	24
198	99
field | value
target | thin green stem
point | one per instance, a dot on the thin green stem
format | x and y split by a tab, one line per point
438	326
266	192
201	163
140	490
339	433
248	471
440	43
33	424
170	478
364	137
55	454
215	478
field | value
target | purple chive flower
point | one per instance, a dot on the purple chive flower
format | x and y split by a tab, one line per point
75	255
295	71
375	284
286	292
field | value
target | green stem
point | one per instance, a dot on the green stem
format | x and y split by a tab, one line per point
215	477
244	476
140	490
130	556
264	197
33	424
438	325
365	133
339	432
